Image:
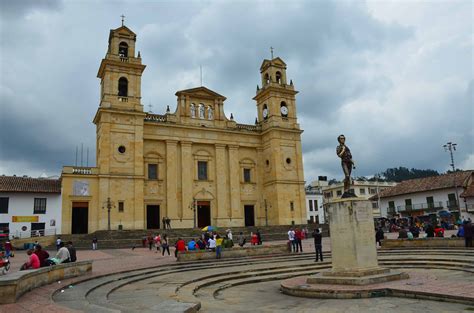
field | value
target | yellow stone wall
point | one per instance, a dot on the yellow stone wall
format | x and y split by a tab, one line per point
176	141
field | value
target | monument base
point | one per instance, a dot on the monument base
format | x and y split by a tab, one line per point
364	277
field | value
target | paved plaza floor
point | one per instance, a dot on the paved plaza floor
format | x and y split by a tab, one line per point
158	284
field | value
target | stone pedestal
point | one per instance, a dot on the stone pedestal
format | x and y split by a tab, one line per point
353	247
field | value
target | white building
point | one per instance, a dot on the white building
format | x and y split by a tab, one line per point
314	201
29	206
362	189
425	196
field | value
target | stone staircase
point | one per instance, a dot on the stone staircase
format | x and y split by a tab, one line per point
117	239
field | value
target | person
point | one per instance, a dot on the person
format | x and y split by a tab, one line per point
429	231
163	220
35	243
439	231
8	249
298	240
259	237
94	243
32	263
192	245
415	231
218	246
157	241
468	233
460	232
402	234
212	244
291	239
201	244
43	255
168	222
149	240
253	239
347	164
229	235
72	252
379	236
180	246
241	239
165	245
409	235
318	244
58	243
62	256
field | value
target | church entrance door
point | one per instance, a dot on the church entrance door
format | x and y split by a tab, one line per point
152	216
249	215
204	213
80	218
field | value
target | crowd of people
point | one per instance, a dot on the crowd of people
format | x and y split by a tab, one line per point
37	257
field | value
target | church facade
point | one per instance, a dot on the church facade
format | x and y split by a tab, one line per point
194	164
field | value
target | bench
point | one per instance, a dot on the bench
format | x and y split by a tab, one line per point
434	242
234	252
14	285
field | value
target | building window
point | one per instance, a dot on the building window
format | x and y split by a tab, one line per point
362	191
374	205
339	192
408	204
351	190
4	205
152	171
391	205
123	49
311	205
292	206
39	206
120	206
372	191
430	202
247	175
123	87
202	170
316	205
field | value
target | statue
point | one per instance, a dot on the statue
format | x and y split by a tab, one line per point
210	113
347	165
193	110
201	110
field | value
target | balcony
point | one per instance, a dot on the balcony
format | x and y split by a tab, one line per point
452	204
391	211
420	206
80	170
470	207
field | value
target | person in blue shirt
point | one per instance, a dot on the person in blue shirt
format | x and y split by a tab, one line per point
192	245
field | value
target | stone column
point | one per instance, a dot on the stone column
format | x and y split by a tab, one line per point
171	180
221	184
186	180
234	175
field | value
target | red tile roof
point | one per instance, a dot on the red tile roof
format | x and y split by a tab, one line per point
29	184
428	183
469	192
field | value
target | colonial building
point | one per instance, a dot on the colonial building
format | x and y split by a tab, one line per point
193	164
314	201
361	188
30	206
428	196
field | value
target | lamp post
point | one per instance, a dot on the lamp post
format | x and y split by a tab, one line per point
192	206
450	146
109	205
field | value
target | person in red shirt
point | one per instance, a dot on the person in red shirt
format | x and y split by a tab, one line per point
298	240
253	239
32	263
180	247
439	232
43	255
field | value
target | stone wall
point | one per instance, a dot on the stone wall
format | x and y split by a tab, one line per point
235	252
423	243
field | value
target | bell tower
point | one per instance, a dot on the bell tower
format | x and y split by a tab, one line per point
276	98
120	72
281	154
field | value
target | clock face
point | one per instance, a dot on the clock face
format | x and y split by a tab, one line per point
265	113
284	110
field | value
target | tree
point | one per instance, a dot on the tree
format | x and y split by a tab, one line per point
402	173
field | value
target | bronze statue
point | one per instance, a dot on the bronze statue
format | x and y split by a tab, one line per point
347	164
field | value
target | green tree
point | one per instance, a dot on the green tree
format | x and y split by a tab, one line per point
402	173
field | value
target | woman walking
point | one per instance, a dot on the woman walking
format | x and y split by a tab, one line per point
165	245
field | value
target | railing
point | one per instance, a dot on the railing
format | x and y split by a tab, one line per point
82	170
391	210
33	233
470	207
421	206
124	59
254	128
452	204
155	118
123	99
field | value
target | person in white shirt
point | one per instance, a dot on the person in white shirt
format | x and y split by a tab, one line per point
291	238
212	244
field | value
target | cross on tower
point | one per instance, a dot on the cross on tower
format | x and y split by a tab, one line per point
271	50
123	18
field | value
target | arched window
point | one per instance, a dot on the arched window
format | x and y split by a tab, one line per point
267	78
123	49
123	87
278	77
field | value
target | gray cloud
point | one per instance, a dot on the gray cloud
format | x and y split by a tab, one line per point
398	86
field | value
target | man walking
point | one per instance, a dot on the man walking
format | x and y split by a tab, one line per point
291	239
318	244
163	220
468	233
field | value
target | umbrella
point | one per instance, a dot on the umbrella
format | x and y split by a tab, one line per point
444	213
209	228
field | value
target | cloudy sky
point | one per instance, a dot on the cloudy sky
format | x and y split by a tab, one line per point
395	77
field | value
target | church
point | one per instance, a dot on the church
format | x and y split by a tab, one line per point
193	164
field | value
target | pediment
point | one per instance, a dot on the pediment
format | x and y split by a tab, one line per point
200	93
278	62
122	31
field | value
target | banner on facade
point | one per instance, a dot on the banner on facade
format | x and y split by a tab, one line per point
25	219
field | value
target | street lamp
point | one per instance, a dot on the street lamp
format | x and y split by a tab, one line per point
450	146
192	206
109	205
